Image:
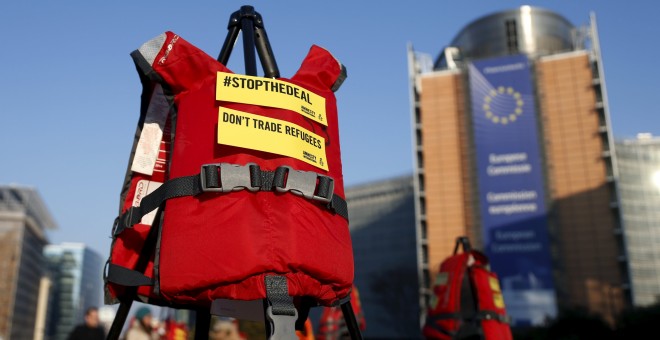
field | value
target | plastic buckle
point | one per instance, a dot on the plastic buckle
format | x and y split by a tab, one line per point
232	178
122	222
303	183
283	327
115	227
105	270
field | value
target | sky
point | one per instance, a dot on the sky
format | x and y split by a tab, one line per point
70	93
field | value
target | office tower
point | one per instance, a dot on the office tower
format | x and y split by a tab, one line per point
382	226
512	145
24	220
77	277
638	162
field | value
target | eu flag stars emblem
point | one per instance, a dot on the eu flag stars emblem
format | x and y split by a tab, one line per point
503	105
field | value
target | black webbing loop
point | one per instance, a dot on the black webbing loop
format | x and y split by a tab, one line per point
178	187
443	316
325	186
257	177
437	327
340	79
212	176
266	179
279	177
339	206
281	311
127	277
277	292
492	315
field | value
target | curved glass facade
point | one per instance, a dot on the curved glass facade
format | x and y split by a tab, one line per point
77	274
383	235
639	189
529	30
23	221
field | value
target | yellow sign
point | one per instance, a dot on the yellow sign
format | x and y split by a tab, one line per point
498	300
494	284
243	89
250	131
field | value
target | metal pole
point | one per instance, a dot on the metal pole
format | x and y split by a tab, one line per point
202	324
230	40
351	322
263	47
120	319
247	26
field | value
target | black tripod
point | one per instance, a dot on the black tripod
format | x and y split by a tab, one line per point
254	35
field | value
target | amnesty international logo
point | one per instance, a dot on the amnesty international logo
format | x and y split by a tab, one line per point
503	105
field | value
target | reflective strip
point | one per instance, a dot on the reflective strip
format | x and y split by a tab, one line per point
150	49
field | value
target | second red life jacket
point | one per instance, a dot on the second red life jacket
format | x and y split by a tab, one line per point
467	301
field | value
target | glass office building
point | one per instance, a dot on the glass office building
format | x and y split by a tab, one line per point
24	220
513	148
77	276
639	187
382	215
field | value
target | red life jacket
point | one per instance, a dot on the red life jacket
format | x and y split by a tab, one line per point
467	301
229	215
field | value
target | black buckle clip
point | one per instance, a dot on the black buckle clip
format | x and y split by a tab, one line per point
232	177
303	183
283	326
122	222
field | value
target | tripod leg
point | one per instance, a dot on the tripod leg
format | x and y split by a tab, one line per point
351	322
265	51
202	324
247	26
227	47
120	319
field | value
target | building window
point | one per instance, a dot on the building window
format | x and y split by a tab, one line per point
420	160
512	36
421	183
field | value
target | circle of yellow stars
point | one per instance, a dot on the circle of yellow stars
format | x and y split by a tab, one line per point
506	118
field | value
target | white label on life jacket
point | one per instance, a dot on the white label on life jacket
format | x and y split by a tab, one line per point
243	89
254	132
148	146
144	188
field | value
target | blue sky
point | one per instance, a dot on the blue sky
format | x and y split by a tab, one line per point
70	93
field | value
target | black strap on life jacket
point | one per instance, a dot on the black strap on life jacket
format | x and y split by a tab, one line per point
492	315
281	312
225	177
126	277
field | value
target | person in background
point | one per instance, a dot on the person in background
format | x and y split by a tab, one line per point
225	329
142	328
307	333
90	330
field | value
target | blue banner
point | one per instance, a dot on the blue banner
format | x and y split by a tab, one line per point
511	186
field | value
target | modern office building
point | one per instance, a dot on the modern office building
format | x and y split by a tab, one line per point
638	163
24	220
513	148
383	233
76	272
